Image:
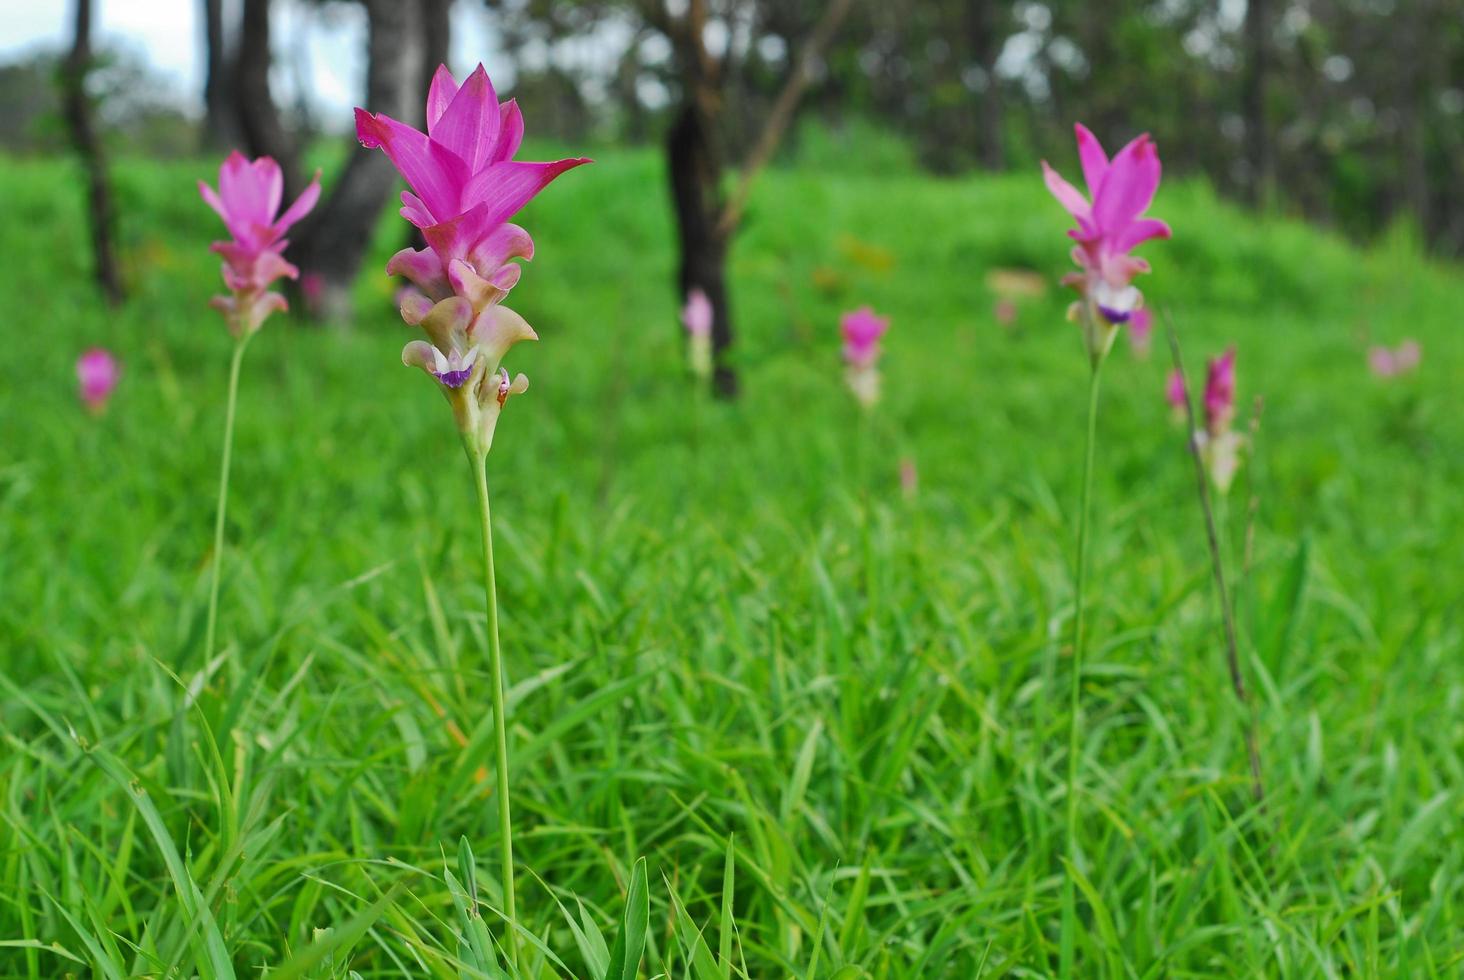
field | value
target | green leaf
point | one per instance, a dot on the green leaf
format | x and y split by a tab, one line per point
625	955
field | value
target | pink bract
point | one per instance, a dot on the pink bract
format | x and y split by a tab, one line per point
97	371
862	330
696	315
1220	392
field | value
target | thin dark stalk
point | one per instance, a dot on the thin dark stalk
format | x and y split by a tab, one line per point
1232	654
1067	950
479	463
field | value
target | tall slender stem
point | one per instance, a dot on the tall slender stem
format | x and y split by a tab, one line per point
1232	652
223	503
1069	895
500	721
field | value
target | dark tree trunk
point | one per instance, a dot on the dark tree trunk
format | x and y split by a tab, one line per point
221	119
1253	99
259	117
329	249
984	33
695	179
88	147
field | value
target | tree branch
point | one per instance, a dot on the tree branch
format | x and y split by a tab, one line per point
782	112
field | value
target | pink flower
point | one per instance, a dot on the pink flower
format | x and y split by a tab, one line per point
1388	363
98	372
1381	362
464	182
465	185
1174	393
696	315
862	330
1110	225
248	199
1220	392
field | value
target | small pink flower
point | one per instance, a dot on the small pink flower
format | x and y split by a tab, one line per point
1385	362
696	315
98	372
1381	362
1220	392
862	330
1005	312
248	199
1110	225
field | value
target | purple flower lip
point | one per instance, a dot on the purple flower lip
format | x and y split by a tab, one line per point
454	379
1115	316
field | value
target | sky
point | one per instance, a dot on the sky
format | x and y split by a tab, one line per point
328	42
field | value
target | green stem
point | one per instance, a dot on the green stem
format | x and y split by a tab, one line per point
500	721
1069	896
223	503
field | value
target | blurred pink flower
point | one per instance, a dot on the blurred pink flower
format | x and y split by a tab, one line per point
1110	225
248	199
465	185
98	372
1386	363
1381	362
862	330
1220	392
696	315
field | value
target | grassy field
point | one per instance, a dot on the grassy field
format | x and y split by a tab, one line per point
831	717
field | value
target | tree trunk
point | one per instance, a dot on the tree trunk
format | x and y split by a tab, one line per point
695	179
221	120
88	146
259	117
329	249
984	33
1253	99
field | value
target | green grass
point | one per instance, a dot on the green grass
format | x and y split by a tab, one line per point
840	747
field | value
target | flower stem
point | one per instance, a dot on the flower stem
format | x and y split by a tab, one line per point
1069	895
223	503
500	722
1232	652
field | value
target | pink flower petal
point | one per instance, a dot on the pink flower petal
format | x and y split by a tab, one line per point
301	207
510	131
423	268
439	96
1138	232
1067	195
1090	154
1128	187
469	126
434	172
506	187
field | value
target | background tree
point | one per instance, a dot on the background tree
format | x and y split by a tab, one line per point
88	146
